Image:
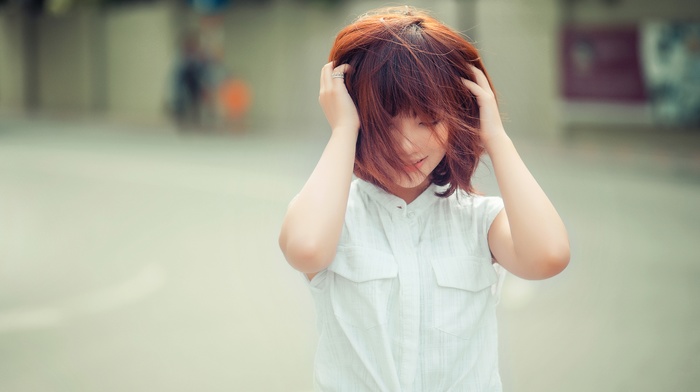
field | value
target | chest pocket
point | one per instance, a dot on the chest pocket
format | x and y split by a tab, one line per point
363	282
463	300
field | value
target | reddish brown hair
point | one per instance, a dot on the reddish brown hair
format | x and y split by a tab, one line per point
404	61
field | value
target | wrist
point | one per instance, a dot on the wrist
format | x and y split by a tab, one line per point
493	141
346	130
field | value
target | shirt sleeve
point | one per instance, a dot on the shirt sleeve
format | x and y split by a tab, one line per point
318	283
489	208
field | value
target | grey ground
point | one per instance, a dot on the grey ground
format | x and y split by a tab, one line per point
142	259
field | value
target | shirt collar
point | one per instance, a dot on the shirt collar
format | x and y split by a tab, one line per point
395	204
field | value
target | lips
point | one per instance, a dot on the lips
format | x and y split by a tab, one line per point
416	165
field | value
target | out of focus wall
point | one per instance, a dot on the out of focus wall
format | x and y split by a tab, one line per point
140	43
114	62
518	41
12	71
66	62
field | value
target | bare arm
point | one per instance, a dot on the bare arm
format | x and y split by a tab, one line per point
314	221
528	238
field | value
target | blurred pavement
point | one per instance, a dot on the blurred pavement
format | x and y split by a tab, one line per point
140	259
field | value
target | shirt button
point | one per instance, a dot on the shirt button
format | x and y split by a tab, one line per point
411	214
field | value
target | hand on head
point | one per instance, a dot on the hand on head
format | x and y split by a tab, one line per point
335	100
489	116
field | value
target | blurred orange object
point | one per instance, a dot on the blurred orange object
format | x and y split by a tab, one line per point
235	97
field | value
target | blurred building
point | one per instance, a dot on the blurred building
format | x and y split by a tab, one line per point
113	58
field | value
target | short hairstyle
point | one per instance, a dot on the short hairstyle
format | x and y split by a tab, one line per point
403	61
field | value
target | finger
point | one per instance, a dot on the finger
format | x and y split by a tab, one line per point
340	70
326	74
480	78
475	89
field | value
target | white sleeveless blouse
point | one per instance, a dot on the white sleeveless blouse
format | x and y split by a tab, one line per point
408	303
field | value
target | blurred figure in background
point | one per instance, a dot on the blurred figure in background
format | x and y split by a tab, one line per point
205	95
229	97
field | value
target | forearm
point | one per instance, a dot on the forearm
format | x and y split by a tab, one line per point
314	221
538	233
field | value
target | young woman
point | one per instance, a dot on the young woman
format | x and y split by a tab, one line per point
401	261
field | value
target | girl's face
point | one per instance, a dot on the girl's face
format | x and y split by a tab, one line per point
422	150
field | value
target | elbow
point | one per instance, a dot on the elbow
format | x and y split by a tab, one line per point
544	263
554	261
304	256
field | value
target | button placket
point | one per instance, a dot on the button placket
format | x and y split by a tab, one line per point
401	210
409	302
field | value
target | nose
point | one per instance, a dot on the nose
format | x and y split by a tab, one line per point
407	140
408	147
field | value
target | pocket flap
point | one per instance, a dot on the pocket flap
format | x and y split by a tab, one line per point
465	273
363	264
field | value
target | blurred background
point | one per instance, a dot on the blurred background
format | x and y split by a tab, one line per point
148	150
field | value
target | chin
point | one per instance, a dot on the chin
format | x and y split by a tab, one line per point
414	182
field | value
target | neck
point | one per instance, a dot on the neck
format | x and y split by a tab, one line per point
409	194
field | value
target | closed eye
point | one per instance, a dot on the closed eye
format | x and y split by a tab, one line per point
430	123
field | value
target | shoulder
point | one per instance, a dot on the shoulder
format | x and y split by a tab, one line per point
356	198
474	203
362	195
473	212
359	207
487	203
355	187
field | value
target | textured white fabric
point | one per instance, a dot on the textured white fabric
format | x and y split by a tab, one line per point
408	304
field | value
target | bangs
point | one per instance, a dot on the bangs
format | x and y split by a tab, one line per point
410	73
